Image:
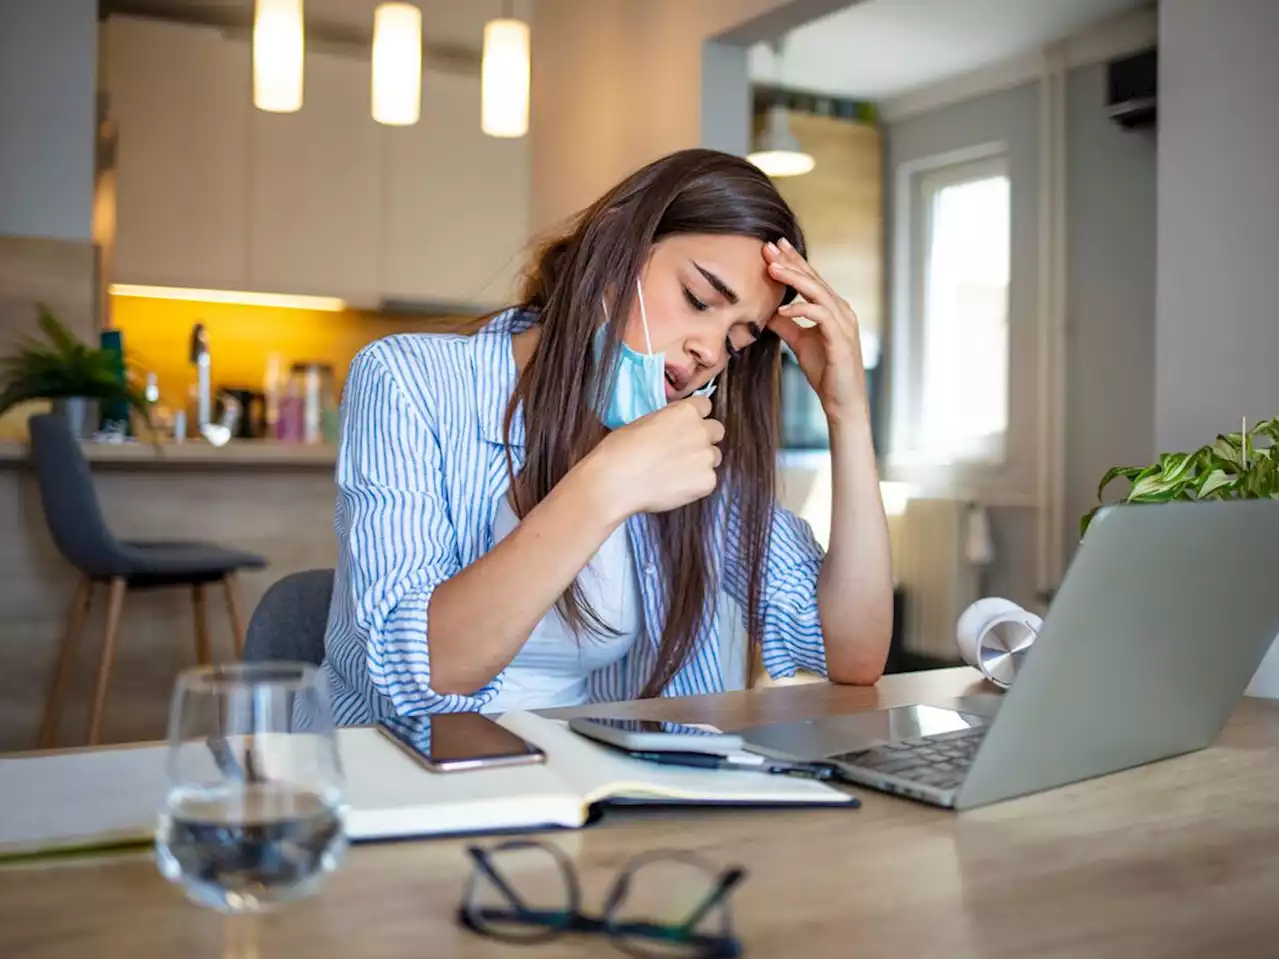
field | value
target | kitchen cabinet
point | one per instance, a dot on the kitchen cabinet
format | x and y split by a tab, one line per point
316	188
215	193
458	202
180	97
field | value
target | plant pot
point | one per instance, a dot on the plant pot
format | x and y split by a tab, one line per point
80	412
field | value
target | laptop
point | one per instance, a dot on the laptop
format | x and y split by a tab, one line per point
1164	615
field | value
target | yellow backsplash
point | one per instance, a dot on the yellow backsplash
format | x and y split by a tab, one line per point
157	339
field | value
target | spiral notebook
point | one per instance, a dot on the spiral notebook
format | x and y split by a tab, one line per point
77	801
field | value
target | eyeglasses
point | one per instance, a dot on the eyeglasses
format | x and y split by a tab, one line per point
663	905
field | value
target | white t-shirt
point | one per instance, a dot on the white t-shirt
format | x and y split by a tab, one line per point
552	666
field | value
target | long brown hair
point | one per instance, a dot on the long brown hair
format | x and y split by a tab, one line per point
601	254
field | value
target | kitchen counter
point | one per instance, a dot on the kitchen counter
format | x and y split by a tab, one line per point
238	454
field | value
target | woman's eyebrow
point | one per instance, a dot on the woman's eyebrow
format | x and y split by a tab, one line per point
720	285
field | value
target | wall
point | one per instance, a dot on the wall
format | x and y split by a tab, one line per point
157	336
1216	281
48	52
1216	304
617	83
1110	292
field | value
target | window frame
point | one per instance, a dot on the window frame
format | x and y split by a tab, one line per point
916	183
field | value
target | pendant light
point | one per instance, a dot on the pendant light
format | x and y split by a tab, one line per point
777	151
277	55
397	64
504	77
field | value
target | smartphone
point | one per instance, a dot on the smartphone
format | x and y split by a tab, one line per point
457	742
650	735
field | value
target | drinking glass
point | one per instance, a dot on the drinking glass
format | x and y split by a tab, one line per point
254	813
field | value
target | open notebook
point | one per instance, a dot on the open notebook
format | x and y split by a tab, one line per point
110	796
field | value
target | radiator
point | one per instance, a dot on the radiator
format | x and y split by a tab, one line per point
937	578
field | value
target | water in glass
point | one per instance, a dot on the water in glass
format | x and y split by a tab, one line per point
254	814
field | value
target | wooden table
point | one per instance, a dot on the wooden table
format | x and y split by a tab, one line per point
1174	859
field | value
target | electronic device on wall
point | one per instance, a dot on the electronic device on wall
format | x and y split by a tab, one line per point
994	636
1131	90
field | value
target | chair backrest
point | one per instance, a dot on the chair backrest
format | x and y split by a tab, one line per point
289	621
67	495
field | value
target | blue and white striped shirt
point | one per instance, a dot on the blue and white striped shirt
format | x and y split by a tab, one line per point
421	468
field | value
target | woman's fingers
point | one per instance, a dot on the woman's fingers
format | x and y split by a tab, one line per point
787	329
833	324
803	283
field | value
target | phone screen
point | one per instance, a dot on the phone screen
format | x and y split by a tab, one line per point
461	740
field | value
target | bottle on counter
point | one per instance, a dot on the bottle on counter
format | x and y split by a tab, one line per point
289	413
312	386
272	390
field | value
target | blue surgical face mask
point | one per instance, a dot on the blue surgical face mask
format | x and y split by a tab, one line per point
640	383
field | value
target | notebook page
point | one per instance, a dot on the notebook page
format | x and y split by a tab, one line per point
76	799
390	795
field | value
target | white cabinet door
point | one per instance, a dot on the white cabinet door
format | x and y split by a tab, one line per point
458	202
316	187
181	99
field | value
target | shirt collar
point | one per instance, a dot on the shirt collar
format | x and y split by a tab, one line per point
495	372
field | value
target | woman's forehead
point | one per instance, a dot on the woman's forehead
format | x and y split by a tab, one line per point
738	261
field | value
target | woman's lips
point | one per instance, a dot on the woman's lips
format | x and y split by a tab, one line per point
677	381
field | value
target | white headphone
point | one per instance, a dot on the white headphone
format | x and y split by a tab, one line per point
994	635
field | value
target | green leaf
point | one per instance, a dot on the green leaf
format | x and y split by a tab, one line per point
1174	467
1212	483
1116	472
1153	485
1225	449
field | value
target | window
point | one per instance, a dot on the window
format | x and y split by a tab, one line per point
951	383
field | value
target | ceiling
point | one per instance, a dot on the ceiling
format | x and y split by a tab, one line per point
883	48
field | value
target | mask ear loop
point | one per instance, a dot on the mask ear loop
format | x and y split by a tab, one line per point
644	319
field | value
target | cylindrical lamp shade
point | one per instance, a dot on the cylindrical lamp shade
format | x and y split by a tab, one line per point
504	79
397	64
277	56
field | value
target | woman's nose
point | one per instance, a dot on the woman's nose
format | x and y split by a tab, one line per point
706	352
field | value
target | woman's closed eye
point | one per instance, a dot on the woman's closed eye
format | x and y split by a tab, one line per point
694	302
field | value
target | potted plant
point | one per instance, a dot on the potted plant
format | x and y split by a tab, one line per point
1234	466
1243	465
77	378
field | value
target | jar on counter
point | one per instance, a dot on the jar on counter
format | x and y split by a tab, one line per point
308	408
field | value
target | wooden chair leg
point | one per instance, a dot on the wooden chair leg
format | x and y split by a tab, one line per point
233	613
76	616
115	604
204	657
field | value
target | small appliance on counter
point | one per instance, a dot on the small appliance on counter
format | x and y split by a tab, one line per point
252	404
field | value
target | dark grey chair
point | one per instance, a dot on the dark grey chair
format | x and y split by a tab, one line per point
81	535
289	621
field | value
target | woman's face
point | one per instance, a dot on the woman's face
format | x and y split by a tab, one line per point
706	297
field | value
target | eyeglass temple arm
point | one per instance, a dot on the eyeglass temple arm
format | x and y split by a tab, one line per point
724	886
482	860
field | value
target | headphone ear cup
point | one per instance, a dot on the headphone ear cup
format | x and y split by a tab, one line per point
975	620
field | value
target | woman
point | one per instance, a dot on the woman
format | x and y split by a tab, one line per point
545	512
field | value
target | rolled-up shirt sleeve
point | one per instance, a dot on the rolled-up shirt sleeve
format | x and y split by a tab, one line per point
395	534
792	631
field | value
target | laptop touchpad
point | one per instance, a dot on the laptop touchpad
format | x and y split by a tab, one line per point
831	735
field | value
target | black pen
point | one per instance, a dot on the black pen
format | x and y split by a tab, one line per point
758	764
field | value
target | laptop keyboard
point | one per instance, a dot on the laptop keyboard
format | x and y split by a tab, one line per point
940	761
